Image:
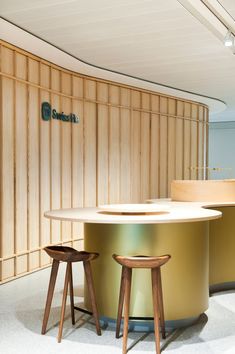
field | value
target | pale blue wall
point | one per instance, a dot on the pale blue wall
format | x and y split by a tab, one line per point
222	149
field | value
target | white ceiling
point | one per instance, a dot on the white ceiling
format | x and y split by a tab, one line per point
158	40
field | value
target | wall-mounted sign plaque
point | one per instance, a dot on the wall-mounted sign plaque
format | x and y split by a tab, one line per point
48	113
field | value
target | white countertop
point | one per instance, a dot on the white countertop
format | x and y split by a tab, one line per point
174	213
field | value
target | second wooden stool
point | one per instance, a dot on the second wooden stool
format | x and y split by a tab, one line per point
153	263
69	255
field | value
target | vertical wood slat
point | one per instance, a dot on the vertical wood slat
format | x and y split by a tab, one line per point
125	156
21	166
145	149
154	149
194	143
66	153
77	154
179	147
125	146
114	154
200	143
90	143
114	147
163	146
102	144
135	148
45	168
56	147
103	155
171	138
7	168
187	142
7	176
33	165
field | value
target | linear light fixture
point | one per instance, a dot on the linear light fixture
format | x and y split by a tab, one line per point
229	39
213	16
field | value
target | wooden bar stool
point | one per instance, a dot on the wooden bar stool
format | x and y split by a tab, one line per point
153	263
69	255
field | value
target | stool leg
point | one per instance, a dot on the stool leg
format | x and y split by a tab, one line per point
121	301
126	308
71	292
51	287
154	274
160	302
66	283
91	291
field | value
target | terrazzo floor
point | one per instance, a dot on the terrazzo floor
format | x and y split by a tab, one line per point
21	309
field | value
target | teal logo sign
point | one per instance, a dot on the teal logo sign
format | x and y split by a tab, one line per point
48	113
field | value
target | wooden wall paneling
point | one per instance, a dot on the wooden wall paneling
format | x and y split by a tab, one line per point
45	165
33	165
171	142
114	146
56	160
163	160
154	149
21	164
187	141
194	142
90	145
77	157
7	177
200	143
145	149
179	147
103	154
66	154
135	148
126	148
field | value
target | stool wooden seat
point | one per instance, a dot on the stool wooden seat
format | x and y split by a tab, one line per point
69	255
153	263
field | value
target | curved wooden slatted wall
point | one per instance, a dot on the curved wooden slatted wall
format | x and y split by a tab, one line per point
129	145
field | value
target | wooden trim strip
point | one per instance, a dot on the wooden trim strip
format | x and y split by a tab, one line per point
49	90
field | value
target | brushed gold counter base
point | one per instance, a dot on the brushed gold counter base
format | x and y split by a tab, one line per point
222	247
184	278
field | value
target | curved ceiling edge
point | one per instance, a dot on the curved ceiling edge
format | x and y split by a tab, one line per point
31	43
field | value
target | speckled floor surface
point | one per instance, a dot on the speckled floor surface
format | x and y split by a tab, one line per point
21	310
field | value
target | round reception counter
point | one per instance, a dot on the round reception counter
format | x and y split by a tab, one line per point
149	229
